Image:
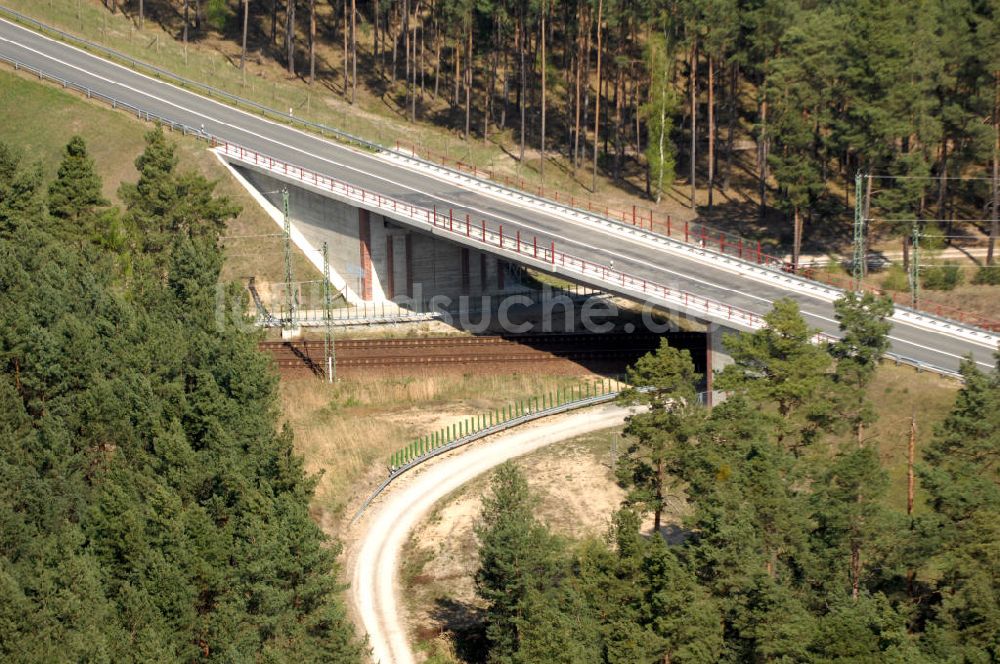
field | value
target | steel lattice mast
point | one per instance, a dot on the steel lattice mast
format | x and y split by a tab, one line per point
858	262
329	346
289	286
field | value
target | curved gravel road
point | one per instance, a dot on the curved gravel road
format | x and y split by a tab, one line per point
375	556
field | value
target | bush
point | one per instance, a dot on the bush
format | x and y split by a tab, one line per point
942	277
896	279
988	275
218	14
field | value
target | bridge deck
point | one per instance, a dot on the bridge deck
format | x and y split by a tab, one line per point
377	173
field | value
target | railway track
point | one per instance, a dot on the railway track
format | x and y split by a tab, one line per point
523	353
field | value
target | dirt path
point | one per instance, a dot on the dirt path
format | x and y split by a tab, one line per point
376	543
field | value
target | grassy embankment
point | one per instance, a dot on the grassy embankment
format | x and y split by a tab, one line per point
39	119
347	431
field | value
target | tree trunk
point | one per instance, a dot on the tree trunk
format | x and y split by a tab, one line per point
606	97
142	14
597	100
661	138
354	51
694	119
731	128
505	95
345	46
290	36
414	64
186	6
312	41
762	159
585	89
437	59
619	103
468	78
422	60
522	97
491	84
576	104
395	45
711	129
243	51
406	51
995	220
796	238
274	22
458	60
943	184
376	46
541	163
636	103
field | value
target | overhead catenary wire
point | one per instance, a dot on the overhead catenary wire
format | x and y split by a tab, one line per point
930	177
927	219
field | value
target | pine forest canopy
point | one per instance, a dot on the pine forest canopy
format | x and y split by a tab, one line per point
151	508
825	89
790	552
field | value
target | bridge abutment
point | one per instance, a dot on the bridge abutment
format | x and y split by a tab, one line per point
373	259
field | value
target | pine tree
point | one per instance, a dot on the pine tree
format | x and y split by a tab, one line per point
850	515
864	326
665	382
514	559
961	474
779	366
678	610
75	195
151	508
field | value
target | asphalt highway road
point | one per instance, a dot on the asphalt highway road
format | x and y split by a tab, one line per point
376	174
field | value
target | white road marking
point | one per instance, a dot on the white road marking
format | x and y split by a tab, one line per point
333	162
524	224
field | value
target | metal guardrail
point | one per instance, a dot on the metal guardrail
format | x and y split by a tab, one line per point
924	366
212	91
483	433
684	299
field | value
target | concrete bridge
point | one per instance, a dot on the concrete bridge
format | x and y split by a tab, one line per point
395	221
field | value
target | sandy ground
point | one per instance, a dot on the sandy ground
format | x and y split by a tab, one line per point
376	542
576	494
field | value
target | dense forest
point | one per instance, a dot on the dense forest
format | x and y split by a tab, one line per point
790	553
817	90
151	509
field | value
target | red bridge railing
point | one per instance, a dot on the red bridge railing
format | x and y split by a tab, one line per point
496	237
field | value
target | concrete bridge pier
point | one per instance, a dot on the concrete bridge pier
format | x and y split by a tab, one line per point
717	358
373	259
